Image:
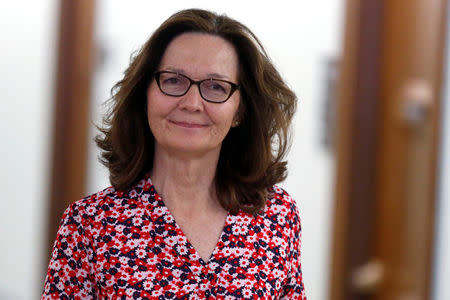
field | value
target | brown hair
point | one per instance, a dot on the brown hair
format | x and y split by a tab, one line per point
251	157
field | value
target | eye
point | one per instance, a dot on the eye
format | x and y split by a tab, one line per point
171	79
173	84
216	86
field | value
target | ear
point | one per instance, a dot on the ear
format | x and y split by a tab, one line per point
239	115
237	118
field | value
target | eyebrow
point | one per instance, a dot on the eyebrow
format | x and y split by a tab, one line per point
209	75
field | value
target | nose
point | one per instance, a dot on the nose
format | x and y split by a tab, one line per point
192	100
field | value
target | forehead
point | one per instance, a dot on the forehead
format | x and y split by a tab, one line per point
200	54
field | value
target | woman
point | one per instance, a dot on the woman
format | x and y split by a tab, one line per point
194	144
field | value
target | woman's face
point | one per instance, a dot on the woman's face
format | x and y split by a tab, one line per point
188	124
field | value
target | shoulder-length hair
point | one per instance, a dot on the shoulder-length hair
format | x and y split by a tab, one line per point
251	157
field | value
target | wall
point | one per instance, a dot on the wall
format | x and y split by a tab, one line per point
441	275
300	36
27	56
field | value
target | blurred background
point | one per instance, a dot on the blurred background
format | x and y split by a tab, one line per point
369	165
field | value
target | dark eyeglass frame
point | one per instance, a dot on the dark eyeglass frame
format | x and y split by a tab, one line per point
233	85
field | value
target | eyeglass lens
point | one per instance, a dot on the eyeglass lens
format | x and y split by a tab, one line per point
176	85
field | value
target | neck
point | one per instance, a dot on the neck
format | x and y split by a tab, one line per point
186	183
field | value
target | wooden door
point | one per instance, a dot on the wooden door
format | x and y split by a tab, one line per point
71	109
387	144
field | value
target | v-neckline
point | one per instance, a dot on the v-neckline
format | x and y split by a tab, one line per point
188	243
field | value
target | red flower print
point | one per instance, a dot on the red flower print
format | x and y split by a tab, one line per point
127	245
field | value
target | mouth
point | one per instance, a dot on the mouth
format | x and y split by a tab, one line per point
188	124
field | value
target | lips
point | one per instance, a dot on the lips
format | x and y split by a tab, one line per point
188	124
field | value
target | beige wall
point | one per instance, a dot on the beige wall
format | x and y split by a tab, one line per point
27	57
441	276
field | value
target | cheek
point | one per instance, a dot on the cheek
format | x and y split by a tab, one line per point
233	113
220	117
155	111
157	106
223	118
151	96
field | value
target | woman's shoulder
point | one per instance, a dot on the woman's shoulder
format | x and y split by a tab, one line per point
89	208
279	196
281	203
102	204
110	198
97	200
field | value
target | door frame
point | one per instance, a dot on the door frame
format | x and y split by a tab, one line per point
389	51
71	116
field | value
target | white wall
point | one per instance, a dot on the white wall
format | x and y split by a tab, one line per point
441	276
27	35
300	36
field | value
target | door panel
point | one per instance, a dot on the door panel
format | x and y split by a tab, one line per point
410	88
397	228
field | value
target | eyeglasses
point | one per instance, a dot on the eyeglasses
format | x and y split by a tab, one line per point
211	90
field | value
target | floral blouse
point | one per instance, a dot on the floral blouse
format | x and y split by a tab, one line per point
127	245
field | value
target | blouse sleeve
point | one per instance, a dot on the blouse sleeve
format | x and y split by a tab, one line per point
69	274
294	288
